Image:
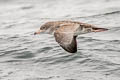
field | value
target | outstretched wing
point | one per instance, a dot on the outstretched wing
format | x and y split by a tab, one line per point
65	37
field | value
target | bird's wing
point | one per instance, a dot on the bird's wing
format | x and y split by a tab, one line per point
65	37
93	28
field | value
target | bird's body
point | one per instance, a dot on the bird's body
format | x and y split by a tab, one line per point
65	32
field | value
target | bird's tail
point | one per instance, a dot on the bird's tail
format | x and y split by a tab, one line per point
95	29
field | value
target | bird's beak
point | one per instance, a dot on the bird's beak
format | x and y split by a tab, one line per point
38	32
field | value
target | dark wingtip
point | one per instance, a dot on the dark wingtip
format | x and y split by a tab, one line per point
73	51
99	29
104	29
70	50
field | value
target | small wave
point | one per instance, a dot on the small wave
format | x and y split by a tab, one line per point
24	55
27	7
96	15
11	51
107	13
103	50
114	12
40	78
44	49
10	26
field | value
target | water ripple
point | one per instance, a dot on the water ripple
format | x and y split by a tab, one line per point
24	56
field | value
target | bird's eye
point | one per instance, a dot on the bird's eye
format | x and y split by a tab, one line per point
42	28
89	30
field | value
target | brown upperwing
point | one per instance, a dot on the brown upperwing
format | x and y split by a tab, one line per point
65	37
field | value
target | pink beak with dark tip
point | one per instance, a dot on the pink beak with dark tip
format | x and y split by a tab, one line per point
38	32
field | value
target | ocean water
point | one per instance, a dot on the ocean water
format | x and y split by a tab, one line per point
24	56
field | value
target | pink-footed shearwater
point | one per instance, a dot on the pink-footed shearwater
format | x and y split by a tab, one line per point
65	32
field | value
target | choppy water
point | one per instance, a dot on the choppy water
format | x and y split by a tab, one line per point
24	56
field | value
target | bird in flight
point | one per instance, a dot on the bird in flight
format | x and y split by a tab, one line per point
66	32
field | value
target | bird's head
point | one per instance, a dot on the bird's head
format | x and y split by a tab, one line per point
44	29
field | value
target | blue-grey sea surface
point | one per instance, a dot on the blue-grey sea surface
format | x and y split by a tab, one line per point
24	56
